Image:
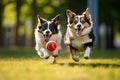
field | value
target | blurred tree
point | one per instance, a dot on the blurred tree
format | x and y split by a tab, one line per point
34	16
1	19
109	14
47	9
78	6
18	6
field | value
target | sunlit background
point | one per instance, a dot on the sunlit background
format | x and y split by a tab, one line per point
18	19
19	60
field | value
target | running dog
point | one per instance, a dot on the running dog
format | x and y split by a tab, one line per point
44	32
79	33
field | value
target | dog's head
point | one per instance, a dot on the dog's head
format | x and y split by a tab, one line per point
48	28
79	22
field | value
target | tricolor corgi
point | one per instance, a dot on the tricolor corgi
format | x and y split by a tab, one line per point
79	34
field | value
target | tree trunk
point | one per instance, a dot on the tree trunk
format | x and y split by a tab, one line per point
110	38
33	22
1	26
17	22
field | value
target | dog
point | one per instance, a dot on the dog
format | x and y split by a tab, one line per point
79	33
44	32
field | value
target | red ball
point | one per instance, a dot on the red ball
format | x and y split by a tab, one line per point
51	45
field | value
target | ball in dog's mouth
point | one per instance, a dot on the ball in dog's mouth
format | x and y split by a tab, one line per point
47	38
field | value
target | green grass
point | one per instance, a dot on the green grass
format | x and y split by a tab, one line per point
24	64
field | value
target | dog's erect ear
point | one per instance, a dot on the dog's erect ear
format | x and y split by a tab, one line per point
41	20
56	19
70	15
87	13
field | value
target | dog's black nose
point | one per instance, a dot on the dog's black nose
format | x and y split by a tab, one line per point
79	25
47	32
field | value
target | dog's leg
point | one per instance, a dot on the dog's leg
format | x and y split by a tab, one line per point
41	51
37	47
46	54
53	59
55	53
73	54
67	39
87	53
59	47
40	54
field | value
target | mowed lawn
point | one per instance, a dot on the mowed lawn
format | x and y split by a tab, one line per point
25	64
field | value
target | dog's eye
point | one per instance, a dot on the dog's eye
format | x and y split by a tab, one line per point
43	27
39	27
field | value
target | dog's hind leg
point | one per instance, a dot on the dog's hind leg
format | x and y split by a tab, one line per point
87	53
53	59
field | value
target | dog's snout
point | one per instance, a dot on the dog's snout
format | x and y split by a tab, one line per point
79	25
47	32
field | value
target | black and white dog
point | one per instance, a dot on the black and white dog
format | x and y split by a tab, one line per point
44	32
79	34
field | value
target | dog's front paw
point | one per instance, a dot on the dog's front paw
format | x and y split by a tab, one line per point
67	41
55	53
40	54
75	58
45	53
86	57
87	53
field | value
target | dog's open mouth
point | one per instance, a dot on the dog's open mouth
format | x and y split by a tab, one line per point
79	32
47	37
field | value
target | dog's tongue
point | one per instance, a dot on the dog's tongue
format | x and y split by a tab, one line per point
79	31
47	37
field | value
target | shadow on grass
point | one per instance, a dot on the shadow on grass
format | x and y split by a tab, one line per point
106	65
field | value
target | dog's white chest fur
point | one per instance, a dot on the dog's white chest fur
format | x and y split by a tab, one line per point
79	42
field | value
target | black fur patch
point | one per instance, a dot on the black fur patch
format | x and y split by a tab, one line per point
71	47
54	28
91	36
43	27
86	20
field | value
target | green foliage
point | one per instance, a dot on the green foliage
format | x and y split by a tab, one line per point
29	9
9	15
109	13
